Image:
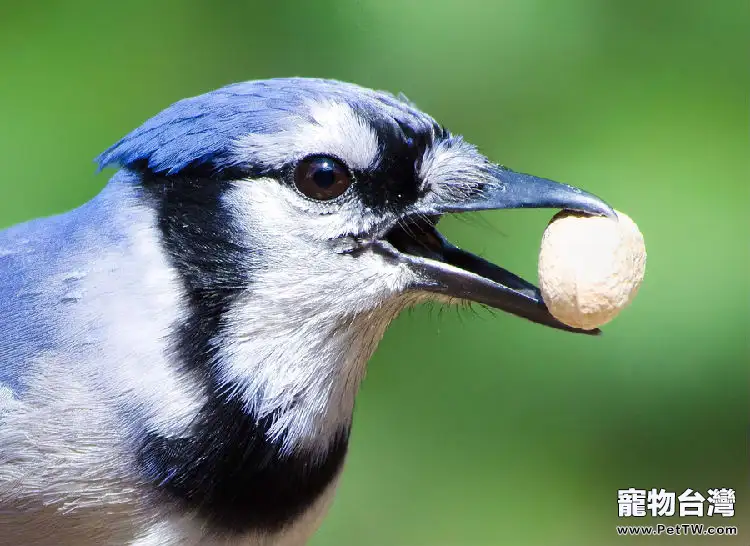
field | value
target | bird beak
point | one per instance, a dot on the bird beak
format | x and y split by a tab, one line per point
445	269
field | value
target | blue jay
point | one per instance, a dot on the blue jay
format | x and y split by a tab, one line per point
179	356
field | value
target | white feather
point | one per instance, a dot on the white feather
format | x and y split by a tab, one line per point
329	128
298	340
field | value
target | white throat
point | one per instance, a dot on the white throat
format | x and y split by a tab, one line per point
304	373
297	341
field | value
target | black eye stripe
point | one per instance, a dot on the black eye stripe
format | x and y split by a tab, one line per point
322	177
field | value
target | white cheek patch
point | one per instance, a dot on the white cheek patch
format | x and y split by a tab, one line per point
297	343
267	206
336	130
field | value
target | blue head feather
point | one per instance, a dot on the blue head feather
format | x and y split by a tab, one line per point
201	130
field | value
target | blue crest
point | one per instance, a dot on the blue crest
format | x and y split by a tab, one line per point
201	130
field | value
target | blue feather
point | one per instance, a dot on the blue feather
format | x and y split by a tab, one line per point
201	130
41	264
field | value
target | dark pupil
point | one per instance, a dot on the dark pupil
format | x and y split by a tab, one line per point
324	174
321	178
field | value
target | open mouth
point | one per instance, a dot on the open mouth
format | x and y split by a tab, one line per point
446	269
442	268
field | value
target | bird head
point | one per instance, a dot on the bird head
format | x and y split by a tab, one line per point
301	215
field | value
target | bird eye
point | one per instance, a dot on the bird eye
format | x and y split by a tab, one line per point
321	178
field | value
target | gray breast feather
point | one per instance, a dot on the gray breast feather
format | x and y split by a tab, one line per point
73	352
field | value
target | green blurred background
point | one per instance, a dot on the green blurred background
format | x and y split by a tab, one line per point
474	428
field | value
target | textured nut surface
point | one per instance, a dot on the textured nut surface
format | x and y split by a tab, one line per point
590	267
